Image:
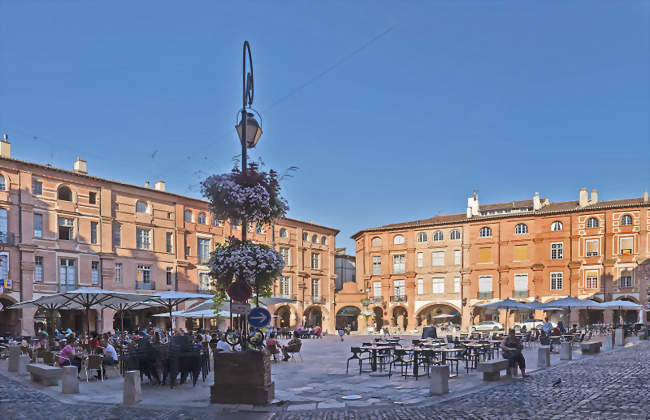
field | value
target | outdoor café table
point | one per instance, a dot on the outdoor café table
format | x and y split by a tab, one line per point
415	351
474	352
373	351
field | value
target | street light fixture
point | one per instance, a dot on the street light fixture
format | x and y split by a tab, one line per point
253	130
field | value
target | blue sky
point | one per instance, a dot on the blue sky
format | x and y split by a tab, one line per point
393	111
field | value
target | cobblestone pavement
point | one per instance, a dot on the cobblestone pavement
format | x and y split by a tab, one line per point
611	385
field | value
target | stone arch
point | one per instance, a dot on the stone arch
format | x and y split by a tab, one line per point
313	316
379	318
9	319
348	316
285	316
425	315
629	299
399	317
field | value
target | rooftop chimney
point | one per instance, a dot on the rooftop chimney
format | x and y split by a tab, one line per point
146	184
80	166
5	147
537	204
645	196
472	205
159	185
584	199
594	197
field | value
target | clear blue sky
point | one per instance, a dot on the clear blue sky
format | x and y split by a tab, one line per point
393	111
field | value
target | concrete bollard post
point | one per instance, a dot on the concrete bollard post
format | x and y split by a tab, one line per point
439	382
543	357
132	391
23	361
70	381
619	335
566	352
609	342
14	358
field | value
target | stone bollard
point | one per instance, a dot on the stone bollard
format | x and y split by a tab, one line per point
609	342
439	382
23	361
14	358
566	352
70	381
132	391
619	335
643	334
543	357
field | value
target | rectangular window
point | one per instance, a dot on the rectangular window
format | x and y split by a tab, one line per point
204	281
204	250
66	228
557	251
438	258
438	285
315	260
420	259
556	281
38	269
144	274
626	280
37	187
485	286
118	273
521	253
92	198
67	275
169	242
593	247
93	232
94	269
285	286
521	286
144	238
285	255
399	263
38	225
485	255
376	265
117	236
420	286
315	288
376	290
305	237
169	276
398	288
627	245
591	280
456	284
457	255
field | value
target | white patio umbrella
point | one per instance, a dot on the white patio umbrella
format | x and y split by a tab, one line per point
507	304
171	298
571	302
122	306
47	304
621	305
442	316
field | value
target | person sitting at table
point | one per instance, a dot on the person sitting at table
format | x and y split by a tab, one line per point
222	344
523	330
93	343
547	327
272	345
560	327
109	359
512	347
68	356
42	341
292	346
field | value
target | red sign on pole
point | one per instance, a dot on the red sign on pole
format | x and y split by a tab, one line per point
240	291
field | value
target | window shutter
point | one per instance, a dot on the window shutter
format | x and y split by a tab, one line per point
485	255
521	282
485	283
627	244
592	247
521	252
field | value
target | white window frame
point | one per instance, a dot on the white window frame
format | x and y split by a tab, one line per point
398	240
586	246
438	236
38	268
204	280
422	237
118	273
590	224
399	263
438	286
143	273
376	265
485	232
457	284
454	235
438	258
140	209
589	283
38	230
625	218
169	276
286	255
483	280
521	229
315	261
557	226
556	280
285	286
203	251
629	282
376	290
94	269
420	283
518	281
557	250
457	257
420	259
399	288
143	238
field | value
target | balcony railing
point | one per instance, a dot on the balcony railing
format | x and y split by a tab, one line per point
397	299
485	295
398	270
7	238
141	285
67	287
520	294
317	300
288	296
377	300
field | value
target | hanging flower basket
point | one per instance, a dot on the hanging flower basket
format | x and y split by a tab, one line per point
257	264
254	196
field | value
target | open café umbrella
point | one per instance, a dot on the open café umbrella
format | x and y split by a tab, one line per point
171	298
507	304
571	302
120	306
442	316
46	303
622	305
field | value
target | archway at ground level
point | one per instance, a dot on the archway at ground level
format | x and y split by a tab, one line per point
45	320
400	317
313	317
9	319
283	317
627	316
379	318
439	313
347	317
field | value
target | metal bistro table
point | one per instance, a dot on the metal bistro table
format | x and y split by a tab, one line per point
373	354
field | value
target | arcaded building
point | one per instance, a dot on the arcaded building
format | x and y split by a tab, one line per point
63	229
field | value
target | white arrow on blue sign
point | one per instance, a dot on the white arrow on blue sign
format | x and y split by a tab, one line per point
259	317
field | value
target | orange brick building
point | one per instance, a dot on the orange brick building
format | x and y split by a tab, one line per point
62	229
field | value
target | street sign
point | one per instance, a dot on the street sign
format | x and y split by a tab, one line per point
240	291
240	308
259	317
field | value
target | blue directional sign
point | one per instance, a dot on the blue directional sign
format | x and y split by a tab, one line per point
259	317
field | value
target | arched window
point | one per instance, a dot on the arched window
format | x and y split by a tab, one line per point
323	240
376	241
422	237
314	238
3	183
141	207
521	228
485	232
556	226
202	218
187	215
455	234
626	220
216	222
438	236
259	229
398	240
592	222
64	193
283	233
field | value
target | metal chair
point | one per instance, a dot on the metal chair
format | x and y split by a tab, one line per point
94	362
401	359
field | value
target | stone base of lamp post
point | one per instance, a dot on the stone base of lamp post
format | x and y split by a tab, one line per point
242	378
